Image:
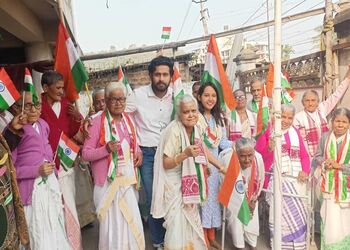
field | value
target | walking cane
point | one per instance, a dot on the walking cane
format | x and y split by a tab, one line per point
223	229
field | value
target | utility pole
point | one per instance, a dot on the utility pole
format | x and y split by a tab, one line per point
203	16
277	190
268	29
329	44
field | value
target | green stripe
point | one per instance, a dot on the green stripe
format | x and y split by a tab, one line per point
8	199
80	75
207	78
344	188
3	103
181	93
332	150
347	157
65	160
114	154
234	115
198	171
165	36
30	88
244	212
331	179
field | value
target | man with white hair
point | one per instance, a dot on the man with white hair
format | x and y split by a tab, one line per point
98	100
253	173
114	153
256	90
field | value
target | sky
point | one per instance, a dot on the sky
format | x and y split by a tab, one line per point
139	22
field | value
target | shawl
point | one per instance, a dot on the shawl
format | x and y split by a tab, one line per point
235	124
212	137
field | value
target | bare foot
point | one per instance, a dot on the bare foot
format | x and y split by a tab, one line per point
215	244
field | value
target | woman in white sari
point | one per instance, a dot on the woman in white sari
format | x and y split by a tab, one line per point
180	173
114	154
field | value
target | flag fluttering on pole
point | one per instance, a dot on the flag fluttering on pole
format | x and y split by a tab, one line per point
67	151
124	80
29	85
166	33
8	91
68	63
287	93
177	88
263	114
233	191
214	73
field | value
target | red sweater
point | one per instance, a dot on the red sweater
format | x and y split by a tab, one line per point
64	122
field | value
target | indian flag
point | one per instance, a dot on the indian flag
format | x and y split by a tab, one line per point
178	88
67	151
233	192
8	91
214	73
166	33
124	80
263	114
29	86
68	63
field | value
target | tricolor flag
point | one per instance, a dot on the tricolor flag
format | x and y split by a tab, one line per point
214	73
8	91
233	191
166	33
29	86
287	94
124	80
68	63
67	151
263	114
177	88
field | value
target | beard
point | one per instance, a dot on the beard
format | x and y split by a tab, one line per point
160	86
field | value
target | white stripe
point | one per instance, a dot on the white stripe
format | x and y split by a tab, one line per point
211	66
6	95
236	198
166	32
28	79
72	52
64	146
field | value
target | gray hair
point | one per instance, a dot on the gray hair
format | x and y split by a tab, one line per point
257	79
288	107
341	111
244	143
310	91
113	86
97	91
184	100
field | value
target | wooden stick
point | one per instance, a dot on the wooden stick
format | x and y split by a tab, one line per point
24	92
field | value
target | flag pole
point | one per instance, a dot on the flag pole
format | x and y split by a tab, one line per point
277	233
223	229
24	92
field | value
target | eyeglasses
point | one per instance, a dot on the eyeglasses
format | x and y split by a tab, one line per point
242	97
29	106
115	100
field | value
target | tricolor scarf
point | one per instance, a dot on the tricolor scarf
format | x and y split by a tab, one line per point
312	133
291	163
211	137
108	133
254	183
194	179
334	180
235	125
255	107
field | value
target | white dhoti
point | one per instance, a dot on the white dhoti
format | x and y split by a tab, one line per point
120	225
67	185
45	216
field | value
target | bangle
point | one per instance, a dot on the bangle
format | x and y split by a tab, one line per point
175	160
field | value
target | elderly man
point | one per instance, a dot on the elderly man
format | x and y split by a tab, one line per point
255	89
312	121
253	173
98	99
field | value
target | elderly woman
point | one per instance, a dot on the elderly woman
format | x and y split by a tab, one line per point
114	154
294	171
242	121
180	178
37	182
253	173
333	158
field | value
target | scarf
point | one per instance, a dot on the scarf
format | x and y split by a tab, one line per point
194	179
235	125
312	133
211	136
291	163
255	107
254	184
120	158
334	180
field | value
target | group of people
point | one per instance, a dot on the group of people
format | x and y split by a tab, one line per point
131	142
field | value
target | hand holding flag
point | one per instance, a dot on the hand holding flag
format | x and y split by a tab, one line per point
8	91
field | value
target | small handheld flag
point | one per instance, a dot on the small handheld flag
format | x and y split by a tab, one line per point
29	86
8	91
166	33
124	80
67	151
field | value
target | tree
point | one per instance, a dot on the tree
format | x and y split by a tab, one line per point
287	50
